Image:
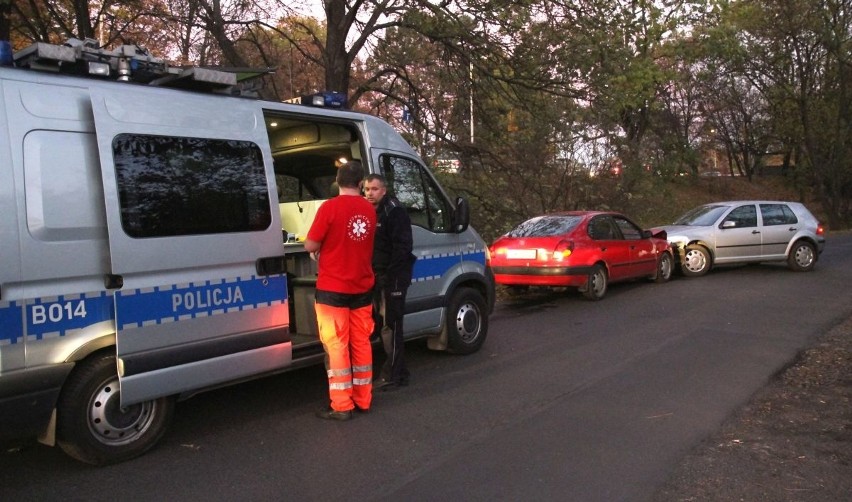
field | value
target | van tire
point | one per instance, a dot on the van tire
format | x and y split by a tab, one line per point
467	322
92	427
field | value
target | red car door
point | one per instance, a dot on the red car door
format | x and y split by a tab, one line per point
643	260
610	247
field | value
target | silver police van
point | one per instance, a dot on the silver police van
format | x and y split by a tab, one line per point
151	227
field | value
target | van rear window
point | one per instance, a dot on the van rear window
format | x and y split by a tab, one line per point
172	186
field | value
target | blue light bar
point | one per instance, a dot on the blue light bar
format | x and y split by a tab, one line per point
328	99
5	53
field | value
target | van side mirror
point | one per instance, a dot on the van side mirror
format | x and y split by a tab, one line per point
461	216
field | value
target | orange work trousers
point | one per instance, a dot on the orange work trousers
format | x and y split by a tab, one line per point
345	336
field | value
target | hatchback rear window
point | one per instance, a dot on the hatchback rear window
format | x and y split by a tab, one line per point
544	226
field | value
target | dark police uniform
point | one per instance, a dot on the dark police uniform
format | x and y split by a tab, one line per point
393	263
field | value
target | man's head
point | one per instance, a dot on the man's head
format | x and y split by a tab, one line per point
374	188
349	175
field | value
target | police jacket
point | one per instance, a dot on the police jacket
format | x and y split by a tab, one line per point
393	260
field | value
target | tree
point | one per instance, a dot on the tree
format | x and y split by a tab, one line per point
797	54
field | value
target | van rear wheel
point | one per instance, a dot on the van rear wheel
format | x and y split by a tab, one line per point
467	323
93	427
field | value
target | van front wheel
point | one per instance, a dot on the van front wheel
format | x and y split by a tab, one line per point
93	427
467	322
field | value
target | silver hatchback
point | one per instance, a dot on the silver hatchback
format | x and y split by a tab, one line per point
745	231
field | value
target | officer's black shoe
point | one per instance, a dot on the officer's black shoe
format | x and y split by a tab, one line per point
381	382
330	414
393	386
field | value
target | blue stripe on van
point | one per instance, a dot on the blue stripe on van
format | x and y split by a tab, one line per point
435	266
158	305
478	256
11	322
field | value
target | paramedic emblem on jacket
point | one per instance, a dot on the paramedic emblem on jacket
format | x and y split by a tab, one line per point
358	228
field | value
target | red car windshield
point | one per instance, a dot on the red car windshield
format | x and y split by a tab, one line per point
545	226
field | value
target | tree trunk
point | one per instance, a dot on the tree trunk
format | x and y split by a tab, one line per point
336	57
84	24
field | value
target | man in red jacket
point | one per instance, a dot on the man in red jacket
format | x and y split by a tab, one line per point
341	239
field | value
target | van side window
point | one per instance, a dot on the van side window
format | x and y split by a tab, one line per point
409	182
171	186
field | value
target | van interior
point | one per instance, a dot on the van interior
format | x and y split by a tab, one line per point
304	153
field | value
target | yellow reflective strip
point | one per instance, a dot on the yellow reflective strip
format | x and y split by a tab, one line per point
362	381
362	368
340	386
339	373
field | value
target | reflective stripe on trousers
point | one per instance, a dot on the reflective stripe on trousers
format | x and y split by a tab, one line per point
345	336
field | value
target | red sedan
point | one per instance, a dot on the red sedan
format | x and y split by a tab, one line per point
583	249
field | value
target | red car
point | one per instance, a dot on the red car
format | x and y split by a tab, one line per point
584	249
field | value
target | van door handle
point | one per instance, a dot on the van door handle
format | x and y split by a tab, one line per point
113	281
271	265
755	232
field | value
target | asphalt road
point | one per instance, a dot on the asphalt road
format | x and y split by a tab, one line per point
568	399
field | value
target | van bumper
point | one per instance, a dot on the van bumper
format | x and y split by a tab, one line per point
27	398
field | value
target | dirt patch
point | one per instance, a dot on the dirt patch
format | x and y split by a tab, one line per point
792	442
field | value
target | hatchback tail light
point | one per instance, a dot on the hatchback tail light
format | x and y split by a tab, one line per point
563	250
820	229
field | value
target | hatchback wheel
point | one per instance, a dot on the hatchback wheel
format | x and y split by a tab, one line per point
595	287
664	268
802	257
696	261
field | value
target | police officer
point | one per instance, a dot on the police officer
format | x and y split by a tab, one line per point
393	262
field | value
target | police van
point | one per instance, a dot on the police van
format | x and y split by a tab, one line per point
151	228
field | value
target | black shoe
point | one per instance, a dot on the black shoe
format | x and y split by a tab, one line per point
330	414
362	411
381	382
393	386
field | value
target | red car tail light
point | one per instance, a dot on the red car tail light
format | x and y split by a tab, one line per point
820	229
563	250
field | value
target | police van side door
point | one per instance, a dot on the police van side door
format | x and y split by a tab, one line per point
189	215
